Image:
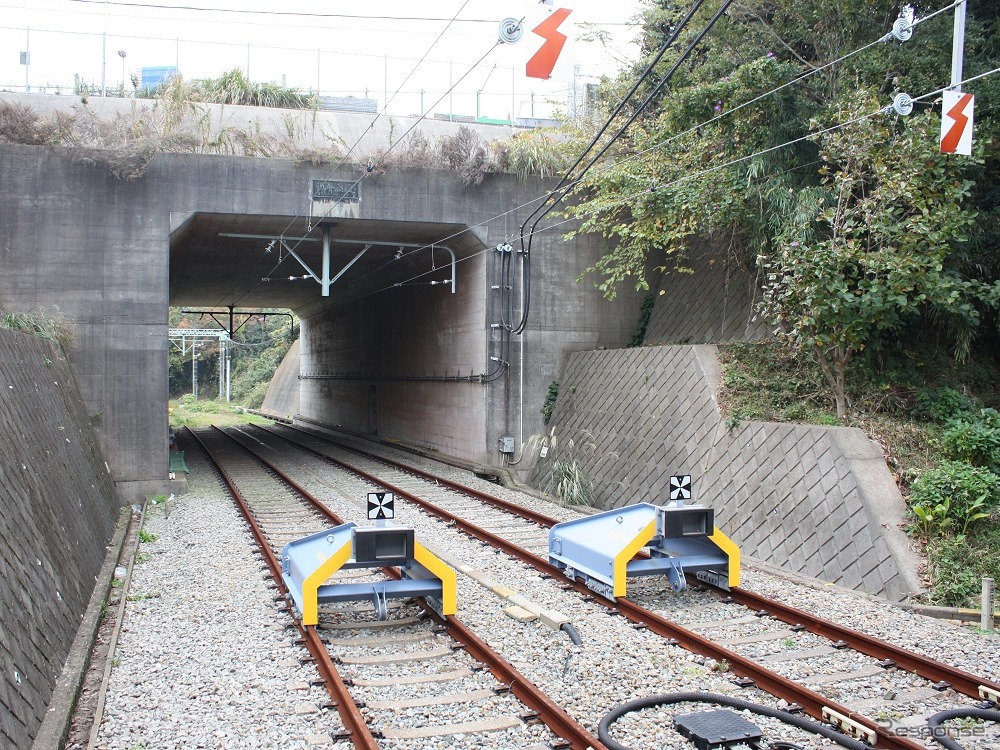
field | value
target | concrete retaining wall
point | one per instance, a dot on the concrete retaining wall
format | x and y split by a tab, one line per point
711	304
282	399
816	500
58	509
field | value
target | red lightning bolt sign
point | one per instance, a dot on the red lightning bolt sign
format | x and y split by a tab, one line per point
543	61
957	138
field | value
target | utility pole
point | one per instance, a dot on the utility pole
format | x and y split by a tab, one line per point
104	64
957	107
194	369
958	47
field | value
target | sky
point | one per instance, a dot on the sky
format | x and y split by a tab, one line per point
317	46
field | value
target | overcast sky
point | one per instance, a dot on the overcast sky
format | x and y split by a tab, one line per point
317	45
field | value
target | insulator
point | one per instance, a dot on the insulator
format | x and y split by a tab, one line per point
902	29
511	31
903	104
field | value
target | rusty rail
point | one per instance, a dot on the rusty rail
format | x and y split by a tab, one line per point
549	712
349	712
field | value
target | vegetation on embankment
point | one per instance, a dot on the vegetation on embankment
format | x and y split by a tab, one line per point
255	352
174	119
937	421
189	412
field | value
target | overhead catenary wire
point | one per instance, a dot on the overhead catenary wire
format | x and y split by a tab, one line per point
373	164
708	170
251	11
501	360
554	199
370	126
385	106
623	103
694	128
711	169
726	114
768	150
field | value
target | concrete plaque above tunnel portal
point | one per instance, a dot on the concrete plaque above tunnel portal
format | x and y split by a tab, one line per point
335	198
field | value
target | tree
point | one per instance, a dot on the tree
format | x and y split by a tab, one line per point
861	229
891	210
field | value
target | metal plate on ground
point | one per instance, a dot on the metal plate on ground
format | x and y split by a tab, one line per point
717	729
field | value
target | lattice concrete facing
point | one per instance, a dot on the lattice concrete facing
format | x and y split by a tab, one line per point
815	500
58	508
681	315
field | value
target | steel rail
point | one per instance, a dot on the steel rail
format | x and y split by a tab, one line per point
549	712
532	515
560	722
350	714
957	679
812	703
962	682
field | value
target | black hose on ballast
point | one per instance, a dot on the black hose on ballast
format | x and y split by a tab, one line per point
940	735
573	633
722	700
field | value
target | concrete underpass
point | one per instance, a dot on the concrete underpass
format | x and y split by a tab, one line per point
386	351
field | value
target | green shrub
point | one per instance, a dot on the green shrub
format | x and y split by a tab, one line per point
550	401
940	404
953	493
956	571
974	440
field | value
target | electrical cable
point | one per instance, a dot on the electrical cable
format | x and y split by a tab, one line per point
940	734
371	125
669	140
667	699
770	149
715	168
550	204
372	165
635	87
505	345
660	144
552	201
246	11
502	360
525	264
712	120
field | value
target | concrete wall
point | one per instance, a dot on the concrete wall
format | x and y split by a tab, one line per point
816	500
58	508
711	302
282	398
372	355
420	332
78	242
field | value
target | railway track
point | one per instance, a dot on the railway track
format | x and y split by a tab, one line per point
437	674
774	646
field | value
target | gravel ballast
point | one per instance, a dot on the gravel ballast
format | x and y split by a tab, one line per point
206	657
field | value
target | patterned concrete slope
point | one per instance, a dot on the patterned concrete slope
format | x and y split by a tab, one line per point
681	314
816	500
58	509
282	399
